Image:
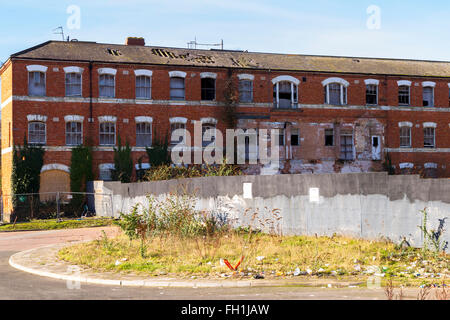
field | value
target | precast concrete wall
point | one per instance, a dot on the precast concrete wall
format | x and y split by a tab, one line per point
364	205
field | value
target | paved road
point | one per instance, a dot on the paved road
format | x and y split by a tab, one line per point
15	284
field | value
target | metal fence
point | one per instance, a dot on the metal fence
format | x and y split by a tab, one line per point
55	205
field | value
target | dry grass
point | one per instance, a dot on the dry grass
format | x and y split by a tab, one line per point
337	256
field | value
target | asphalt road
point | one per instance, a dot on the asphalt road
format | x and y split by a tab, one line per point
15	284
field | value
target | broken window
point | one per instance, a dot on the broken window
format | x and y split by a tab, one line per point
177	88
372	94
180	138
208	89
429	137
208	134
107	86
428	97
403	95
329	137
347	146
36	132
295	137
285	95
336	94
245	91
107	133
143	134
73	84
36	84
74	134
143	87
405	137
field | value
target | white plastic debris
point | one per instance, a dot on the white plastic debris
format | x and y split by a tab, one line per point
222	263
260	258
309	271
118	263
297	272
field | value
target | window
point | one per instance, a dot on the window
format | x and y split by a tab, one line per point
107	86
143	134
347	146
180	139
295	137
281	137
208	134
429	137
329	137
107	133
403	95
177	88
36	132
105	171
405	137
285	95
428	96
143	87
372	94
245	91
73	133
73	84
208	89
336	94
36	84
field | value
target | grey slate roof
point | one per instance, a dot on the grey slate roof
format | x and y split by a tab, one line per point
113	53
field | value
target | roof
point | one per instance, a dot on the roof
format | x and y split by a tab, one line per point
113	53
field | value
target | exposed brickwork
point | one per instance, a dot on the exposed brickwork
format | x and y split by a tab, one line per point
311	120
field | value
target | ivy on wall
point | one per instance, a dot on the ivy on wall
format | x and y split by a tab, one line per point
26	168
123	163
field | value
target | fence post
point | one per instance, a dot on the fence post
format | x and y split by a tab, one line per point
112	205
57	207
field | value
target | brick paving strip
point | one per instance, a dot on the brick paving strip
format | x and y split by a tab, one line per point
43	261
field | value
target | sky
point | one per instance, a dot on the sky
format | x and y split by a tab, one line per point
413	29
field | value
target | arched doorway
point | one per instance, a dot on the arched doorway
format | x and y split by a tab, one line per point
54	178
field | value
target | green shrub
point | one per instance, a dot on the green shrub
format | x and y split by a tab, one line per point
123	163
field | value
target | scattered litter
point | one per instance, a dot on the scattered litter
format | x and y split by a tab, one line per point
330	286
260	258
258	276
209	263
309	271
124	259
118	263
297	272
321	270
357	267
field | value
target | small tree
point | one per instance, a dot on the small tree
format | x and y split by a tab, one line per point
80	173
158	154
123	163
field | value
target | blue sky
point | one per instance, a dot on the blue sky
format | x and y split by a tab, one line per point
409	29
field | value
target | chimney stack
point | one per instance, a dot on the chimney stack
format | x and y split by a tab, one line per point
134	41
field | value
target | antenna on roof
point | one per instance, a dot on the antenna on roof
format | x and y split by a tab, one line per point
193	44
61	32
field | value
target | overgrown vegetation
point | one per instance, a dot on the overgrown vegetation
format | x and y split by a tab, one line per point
80	173
158	154
123	163
230	100
54	224
433	238
26	169
166	172
168	236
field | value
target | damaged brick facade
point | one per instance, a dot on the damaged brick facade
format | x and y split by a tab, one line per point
320	136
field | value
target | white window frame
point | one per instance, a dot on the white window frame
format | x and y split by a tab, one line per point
207	75
432	85
107	119
177	74
375	83
343	86
407	125
81	132
404	83
294	89
45	132
148	120
99	77
45	83
430	125
103	167
75	71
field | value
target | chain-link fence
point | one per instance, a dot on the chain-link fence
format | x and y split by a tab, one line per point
55	205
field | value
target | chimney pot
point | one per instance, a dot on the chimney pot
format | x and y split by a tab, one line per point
134	41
